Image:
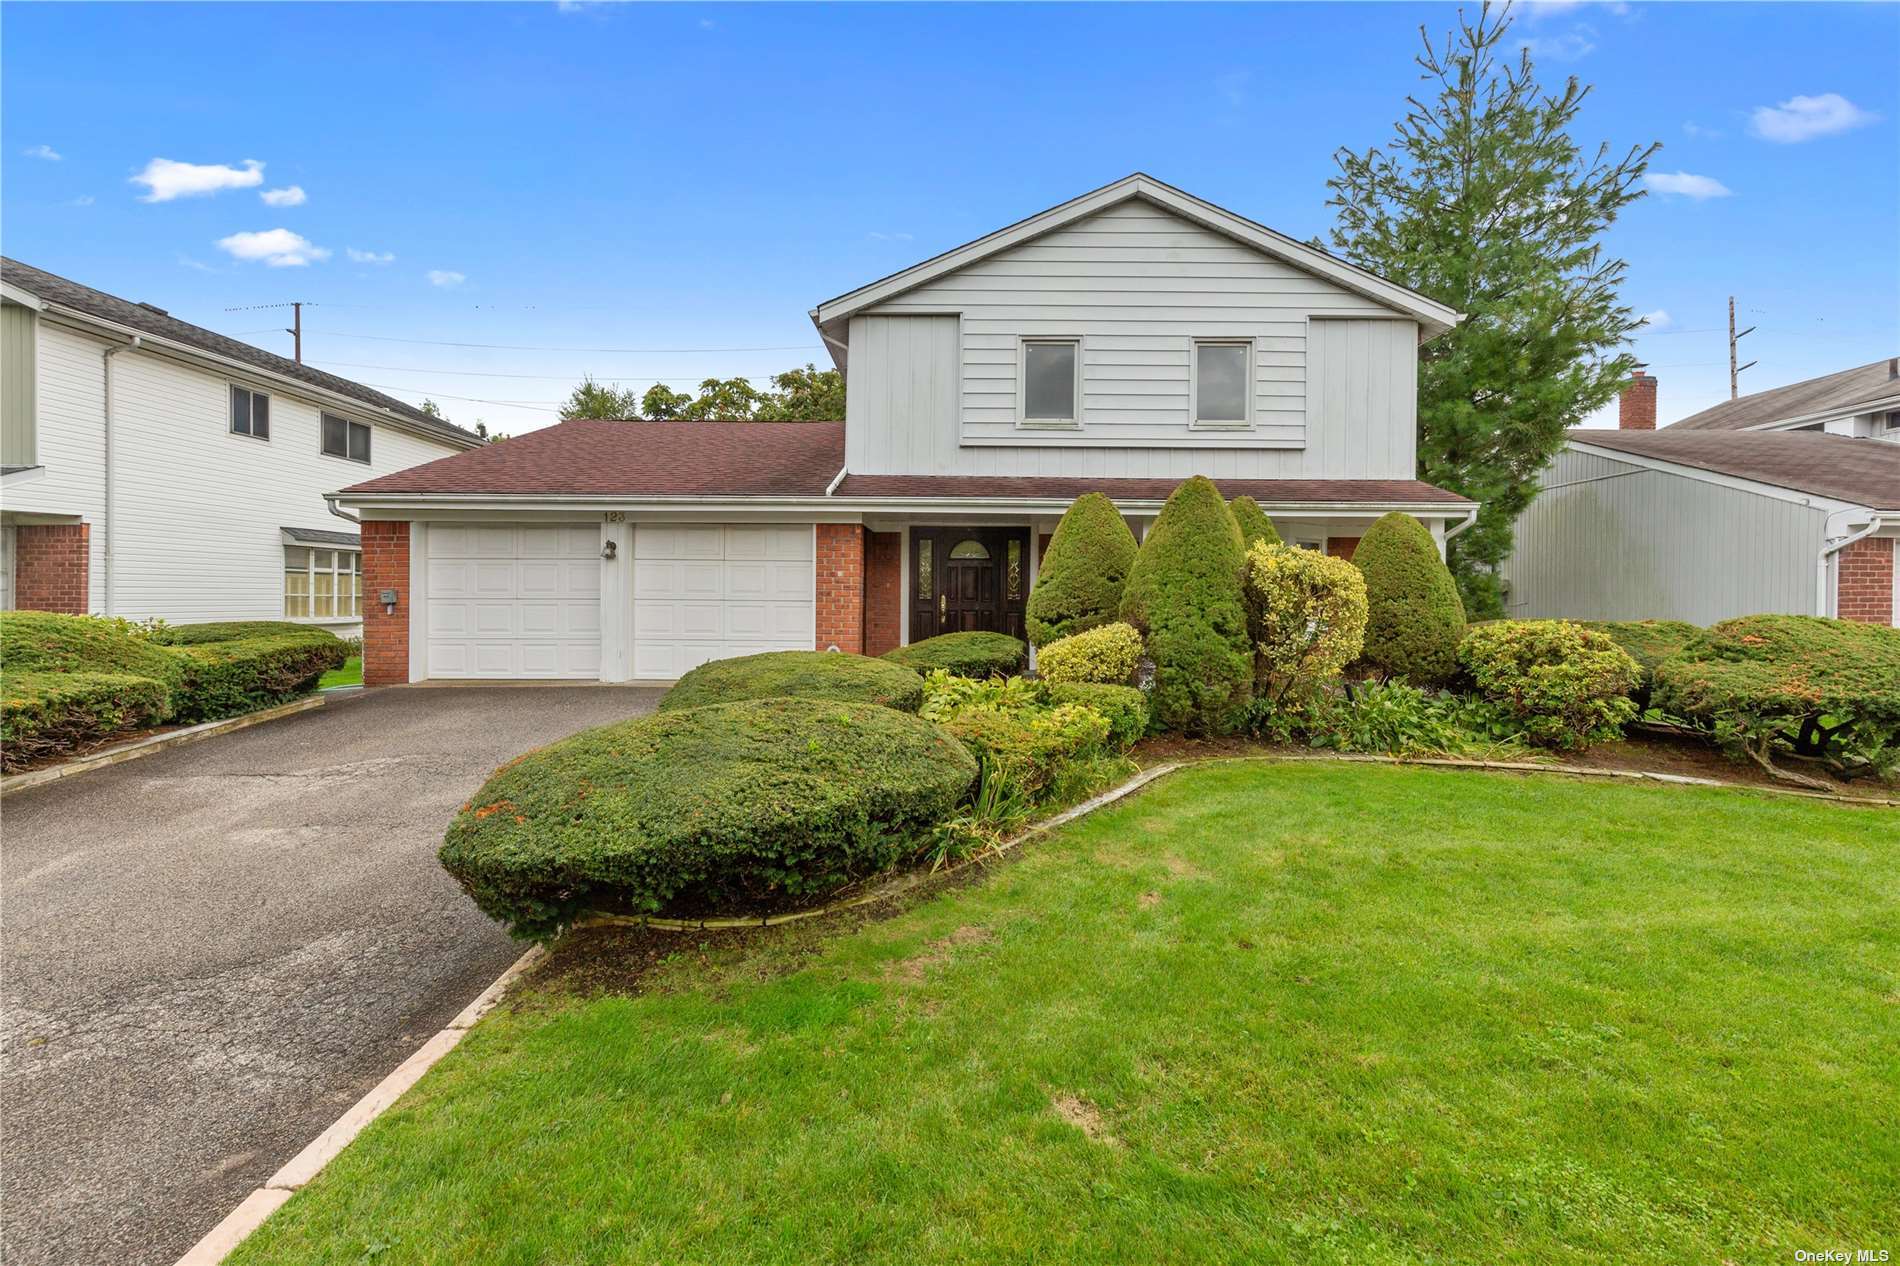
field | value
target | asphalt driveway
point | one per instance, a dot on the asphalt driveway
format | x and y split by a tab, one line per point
209	953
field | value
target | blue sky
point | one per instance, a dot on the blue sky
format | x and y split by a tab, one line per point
688	177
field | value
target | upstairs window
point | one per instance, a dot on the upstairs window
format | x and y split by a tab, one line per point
1052	385
1221	384
250	413
344	438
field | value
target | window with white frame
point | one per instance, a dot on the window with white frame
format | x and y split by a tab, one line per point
322	584
250	413
344	438
1221	383
1052	382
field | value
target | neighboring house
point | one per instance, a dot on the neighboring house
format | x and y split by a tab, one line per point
1119	342
1702	524
1863	403
156	469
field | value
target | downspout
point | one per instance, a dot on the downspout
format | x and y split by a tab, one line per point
106	545
1831	548
329	503
1471	518
832	487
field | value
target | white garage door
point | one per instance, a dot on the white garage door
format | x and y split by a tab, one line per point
713	591
514	601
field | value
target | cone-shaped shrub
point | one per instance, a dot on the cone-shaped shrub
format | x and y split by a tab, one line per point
1184	595
1079	584
1415	619
1254	523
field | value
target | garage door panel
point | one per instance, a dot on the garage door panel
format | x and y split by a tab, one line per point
793	624
710	592
494	580
451	580
746	580
539	580
791	544
492	542
491	619
791	581
511	600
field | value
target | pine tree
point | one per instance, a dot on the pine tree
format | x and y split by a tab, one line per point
1483	201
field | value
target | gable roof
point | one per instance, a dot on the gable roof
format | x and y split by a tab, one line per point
1828	394
591	457
1860	471
60	293
1433	317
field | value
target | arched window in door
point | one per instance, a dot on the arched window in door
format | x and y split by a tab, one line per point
970	550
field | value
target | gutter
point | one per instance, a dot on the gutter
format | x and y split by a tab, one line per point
1470	520
105	364
927	505
329	503
1829	548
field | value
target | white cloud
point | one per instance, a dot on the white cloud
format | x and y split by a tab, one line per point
1569	46
369	257
47	152
186	261
165	179
1657	320
443	277
1683	184
1804	118
1696	131
279	248
292	196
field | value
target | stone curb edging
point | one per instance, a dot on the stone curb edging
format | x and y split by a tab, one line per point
154	743
251	1212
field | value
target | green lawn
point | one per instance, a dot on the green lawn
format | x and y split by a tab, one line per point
1257	1013
351	674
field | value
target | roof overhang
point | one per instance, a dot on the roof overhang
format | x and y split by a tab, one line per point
1780	492
1836	413
832	317
87	323
593	503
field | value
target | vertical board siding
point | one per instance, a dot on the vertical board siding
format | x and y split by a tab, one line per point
1650	544
198	509
1137	285
18	378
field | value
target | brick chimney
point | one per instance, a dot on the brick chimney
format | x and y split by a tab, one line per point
1636	407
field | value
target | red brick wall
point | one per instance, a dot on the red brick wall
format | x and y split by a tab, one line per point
841	587
52	567
883	591
1342	546
1866	581
385	637
1636	406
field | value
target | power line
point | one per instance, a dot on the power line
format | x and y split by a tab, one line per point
489	373
525	347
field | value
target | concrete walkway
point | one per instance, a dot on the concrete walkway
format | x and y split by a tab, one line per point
209	953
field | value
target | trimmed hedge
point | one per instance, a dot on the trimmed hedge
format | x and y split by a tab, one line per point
1555	683
228	676
51	713
1079	584
42	642
797	675
1808	682
1106	654
1414	617
1253	523
976	655
729	807
233	631
1125	707
1184	595
1648	642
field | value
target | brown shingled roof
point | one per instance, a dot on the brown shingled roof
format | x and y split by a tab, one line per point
587	456
1826	394
1862	471
1041	487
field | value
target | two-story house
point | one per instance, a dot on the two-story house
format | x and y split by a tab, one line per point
1120	342
157	469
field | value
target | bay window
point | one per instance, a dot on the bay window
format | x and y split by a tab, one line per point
322	584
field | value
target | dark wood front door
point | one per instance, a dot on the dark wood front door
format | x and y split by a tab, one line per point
968	579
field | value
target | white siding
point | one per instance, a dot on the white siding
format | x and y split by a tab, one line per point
1634	543
932	393
198	509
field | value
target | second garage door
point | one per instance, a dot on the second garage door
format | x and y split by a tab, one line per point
514	601
703	592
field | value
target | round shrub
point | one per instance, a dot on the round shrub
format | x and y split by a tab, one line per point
1648	642
1306	612
730	807
1106	654
1814	685
234	630
1253	522
227	676
976	655
52	713
1079	584
1184	595
1556	683
797	675
1414	617
1124	707
41	642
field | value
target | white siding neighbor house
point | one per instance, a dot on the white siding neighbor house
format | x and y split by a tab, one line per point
154	469
1119	342
1703	523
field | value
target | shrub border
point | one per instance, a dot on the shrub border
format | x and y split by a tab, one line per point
152	744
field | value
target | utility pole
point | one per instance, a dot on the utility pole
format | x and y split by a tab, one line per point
296	333
294	329
1734	371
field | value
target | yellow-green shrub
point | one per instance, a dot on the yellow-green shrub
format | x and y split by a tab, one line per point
1107	655
1306	612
